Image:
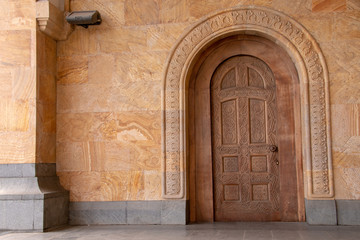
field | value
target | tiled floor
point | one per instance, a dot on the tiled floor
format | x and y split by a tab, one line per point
286	231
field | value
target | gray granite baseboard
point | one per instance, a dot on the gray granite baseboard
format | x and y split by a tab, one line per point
348	212
321	212
128	212
333	212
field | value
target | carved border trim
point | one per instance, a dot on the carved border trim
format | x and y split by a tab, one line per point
313	75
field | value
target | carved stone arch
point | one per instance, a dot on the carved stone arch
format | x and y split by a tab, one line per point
314	84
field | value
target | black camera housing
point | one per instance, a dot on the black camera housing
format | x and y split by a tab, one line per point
84	18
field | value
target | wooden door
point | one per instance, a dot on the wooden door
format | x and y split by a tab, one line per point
244	141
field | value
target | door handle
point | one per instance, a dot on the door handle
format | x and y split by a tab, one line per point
273	148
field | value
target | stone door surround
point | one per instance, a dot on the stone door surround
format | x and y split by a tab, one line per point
314	88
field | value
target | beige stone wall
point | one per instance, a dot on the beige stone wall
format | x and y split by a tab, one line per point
46	99
109	78
28	87
17	81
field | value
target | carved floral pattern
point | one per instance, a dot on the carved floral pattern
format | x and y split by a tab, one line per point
289	32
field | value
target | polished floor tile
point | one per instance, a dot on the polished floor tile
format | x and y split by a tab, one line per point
238	231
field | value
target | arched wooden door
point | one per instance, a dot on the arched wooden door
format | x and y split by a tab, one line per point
244	141
244	134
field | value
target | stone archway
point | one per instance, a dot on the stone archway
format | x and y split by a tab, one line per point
314	88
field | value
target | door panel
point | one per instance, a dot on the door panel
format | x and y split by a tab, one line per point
246	171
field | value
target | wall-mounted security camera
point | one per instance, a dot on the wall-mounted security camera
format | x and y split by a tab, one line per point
84	18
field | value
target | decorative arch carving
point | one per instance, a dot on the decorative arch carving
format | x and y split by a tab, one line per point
314	86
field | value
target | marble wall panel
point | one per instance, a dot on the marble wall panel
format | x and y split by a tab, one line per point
341	115
104	186
5	82
139	12
109	90
72	70
18	82
75	127
15	47
136	190
353	5
355	119
347	26
101	69
106	156
121	39
80	42
347	172
18	15
145	65
15	116
322	27
123	127
128	157
346	154
163	37
293	8
116	185
86	186
198	9
266	3
328	5
108	141
73	156
23	83
143	127
97	155
173	11
120	186
126	96
342	59
152	183
17	147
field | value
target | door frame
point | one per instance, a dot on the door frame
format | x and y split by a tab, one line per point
199	123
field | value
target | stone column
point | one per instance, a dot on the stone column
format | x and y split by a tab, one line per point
31	197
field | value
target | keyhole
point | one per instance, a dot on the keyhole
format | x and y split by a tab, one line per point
273	148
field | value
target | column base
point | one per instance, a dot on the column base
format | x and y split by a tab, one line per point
31	198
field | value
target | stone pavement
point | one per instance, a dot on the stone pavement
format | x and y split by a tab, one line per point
239	231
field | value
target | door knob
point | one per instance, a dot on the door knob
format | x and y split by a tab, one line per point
277	162
273	148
